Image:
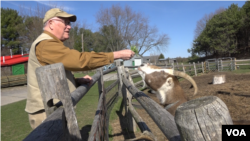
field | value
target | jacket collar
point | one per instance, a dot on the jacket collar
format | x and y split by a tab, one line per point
53	36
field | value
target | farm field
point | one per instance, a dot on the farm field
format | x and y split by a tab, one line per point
235	93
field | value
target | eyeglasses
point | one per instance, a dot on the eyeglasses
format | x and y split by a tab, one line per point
68	23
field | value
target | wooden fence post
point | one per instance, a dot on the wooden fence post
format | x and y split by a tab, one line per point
103	133
119	76
218	63
195	69
221	65
235	67
173	65
122	87
126	97
208	66
53	84
231	64
131	120
100	82
190	67
202	119
202	67
183	68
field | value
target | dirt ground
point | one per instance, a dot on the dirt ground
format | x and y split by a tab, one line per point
235	93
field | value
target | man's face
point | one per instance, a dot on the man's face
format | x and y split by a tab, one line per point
62	28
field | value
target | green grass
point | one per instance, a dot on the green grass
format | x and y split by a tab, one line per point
14	122
90	73
80	74
239	71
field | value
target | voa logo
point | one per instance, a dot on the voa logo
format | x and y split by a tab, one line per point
236	132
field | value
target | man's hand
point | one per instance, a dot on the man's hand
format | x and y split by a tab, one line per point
123	54
85	80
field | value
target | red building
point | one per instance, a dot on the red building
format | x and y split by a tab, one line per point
14	65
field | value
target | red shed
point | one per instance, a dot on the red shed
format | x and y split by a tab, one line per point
14	65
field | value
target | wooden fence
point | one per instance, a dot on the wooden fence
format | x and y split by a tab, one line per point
61	124
211	65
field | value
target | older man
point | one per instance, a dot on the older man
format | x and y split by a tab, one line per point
48	48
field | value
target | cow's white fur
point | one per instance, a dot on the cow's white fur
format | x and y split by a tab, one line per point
166	87
146	69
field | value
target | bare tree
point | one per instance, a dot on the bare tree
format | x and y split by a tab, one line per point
32	24
201	24
154	57
133	28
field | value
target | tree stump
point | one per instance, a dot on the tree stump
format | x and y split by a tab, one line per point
219	79
202	119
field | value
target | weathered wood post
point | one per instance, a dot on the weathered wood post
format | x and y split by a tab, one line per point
221	65
53	84
218	65
173	65
208	67
202	66
119	73
202	119
99	129
122	87
100	82
131	120
190	69
235	67
102	134
231	60
195	71
183	68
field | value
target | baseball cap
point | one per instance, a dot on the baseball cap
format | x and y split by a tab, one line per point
56	12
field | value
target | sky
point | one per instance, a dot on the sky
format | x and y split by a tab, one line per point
177	19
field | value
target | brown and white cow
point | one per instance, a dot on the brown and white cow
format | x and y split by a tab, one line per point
166	85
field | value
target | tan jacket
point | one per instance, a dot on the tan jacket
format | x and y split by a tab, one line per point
53	51
47	49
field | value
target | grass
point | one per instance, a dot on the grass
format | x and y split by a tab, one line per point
80	74
14	122
90	73
239	71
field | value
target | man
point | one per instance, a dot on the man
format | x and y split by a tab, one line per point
48	49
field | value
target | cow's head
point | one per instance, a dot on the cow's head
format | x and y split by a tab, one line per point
157	76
